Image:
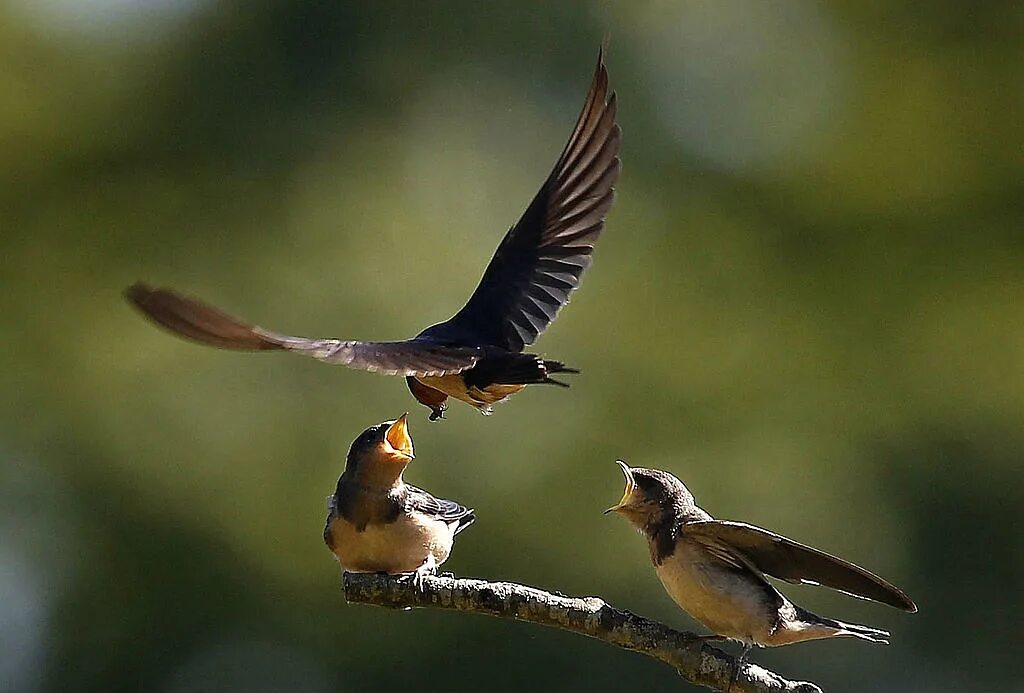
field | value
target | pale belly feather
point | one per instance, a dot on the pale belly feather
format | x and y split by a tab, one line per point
727	603
398	547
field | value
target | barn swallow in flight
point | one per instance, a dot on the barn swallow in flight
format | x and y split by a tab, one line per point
378	523
715	569
477	355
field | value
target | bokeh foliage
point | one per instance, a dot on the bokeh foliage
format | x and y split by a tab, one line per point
808	304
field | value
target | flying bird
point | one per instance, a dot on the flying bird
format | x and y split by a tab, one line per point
477	356
715	570
378	523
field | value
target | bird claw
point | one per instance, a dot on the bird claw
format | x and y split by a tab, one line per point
437	413
419	576
737	667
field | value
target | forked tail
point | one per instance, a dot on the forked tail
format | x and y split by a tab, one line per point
557	367
863	632
841	629
516	369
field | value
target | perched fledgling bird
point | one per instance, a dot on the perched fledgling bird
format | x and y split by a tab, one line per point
715	569
477	355
378	523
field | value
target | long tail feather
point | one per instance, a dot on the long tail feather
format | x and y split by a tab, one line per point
842	629
863	632
556	367
516	369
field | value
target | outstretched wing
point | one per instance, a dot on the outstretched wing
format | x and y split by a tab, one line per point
541	258
195	320
448	511
788	560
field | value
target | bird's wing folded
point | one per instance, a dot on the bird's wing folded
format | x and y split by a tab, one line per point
788	560
195	320
540	260
449	511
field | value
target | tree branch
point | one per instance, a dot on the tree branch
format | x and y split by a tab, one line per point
692	657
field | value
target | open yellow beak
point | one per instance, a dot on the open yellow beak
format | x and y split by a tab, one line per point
628	473
397	436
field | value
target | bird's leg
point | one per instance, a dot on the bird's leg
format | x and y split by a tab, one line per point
433	399
738	666
429	567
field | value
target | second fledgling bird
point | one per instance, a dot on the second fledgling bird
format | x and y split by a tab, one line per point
715	569
378	523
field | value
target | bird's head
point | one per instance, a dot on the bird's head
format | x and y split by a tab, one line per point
381	453
652	497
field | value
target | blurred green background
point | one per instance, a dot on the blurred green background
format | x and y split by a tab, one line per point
808	304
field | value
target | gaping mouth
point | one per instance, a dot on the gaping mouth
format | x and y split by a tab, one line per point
397	436
628	473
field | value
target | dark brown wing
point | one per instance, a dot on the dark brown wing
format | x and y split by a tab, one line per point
205	324
449	511
788	560
541	258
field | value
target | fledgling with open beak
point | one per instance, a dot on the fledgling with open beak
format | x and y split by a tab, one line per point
378	523
715	569
477	356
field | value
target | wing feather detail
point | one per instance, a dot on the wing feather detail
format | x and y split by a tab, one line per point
552	243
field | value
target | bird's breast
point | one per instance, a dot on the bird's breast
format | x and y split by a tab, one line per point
401	546
728	602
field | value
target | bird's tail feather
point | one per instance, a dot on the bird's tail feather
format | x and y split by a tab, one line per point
863	632
557	367
842	629
465	521
516	369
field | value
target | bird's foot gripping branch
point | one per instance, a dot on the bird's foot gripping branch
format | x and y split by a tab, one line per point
689	654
